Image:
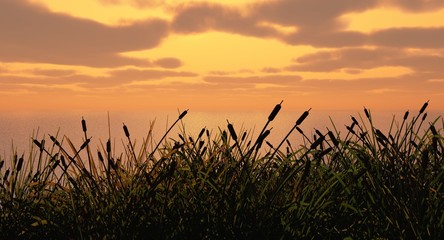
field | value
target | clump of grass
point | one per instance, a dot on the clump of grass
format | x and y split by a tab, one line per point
226	184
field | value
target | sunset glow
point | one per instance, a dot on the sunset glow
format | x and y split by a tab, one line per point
220	55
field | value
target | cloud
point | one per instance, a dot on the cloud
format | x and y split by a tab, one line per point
362	59
136	3
168	63
272	79
417	5
198	18
31	33
409	38
53	72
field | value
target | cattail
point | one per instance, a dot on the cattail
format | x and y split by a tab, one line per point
208	133
85	143
433	130
316	143
37	143
203	151
201	133
354	120
125	129
406	115
269	144
319	132
19	164
275	111
62	159
54	140
54	166
108	146
325	152
302	117
183	114
6	175
181	137
83	125
244	136
231	130
423	108
300	130
191	139
262	138
99	154
333	138
424	117
350	129
1	164
367	114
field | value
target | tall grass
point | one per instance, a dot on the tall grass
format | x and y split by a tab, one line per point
225	184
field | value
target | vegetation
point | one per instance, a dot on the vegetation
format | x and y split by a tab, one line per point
229	185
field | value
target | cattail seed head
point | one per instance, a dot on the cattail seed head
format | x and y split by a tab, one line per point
406	114
424	116
37	143
232	132
262	138
6	175
316	143
108	146
83	125
300	130
333	138
125	129
201	133
183	114
1	164
423	108
244	135
20	164
302	117
85	143
367	113
275	111
99	154
433	130
354	120
62	159
54	140
350	129
54	166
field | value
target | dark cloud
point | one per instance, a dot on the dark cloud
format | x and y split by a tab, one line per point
418	5
197	18
362	59
409	37
168	63
310	14
31	33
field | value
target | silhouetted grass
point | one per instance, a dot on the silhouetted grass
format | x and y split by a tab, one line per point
227	185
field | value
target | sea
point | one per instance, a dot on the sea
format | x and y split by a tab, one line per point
19	129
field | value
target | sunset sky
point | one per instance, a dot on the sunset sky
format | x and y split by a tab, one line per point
219	55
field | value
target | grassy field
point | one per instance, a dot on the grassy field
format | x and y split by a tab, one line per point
360	184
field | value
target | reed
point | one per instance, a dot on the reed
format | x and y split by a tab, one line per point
364	184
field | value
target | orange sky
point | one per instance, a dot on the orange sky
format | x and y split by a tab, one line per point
221	55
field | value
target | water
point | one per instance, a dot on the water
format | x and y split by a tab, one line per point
18	129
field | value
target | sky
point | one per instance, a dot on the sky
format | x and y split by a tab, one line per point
220	55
